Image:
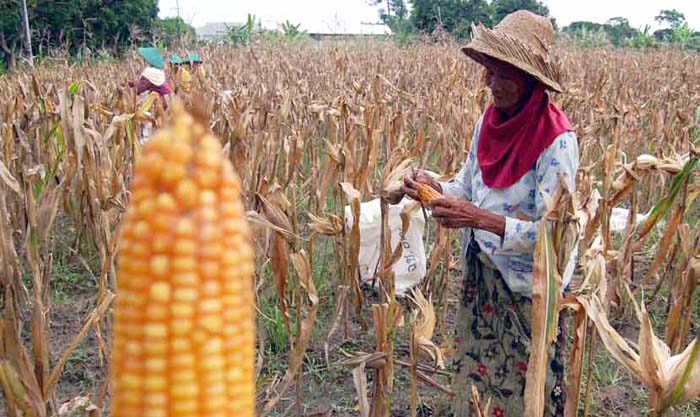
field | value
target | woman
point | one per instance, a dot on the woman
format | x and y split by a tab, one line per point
521	147
153	78
180	75
195	64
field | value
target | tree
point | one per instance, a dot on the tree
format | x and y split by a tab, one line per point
77	25
394	14
673	18
455	16
27	33
10	28
390	9
619	30
580	26
173	30
505	7
664	35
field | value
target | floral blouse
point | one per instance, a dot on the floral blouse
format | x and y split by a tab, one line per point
513	254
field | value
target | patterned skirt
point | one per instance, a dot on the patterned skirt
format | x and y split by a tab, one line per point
493	339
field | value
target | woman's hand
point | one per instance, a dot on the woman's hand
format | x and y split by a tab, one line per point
455	213
409	184
408	187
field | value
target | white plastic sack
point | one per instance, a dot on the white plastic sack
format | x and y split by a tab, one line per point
410	270
620	216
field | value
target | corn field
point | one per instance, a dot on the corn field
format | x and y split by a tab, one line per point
311	129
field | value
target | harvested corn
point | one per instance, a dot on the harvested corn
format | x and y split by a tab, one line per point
184	319
427	193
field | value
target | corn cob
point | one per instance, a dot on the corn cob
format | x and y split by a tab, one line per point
184	326
427	193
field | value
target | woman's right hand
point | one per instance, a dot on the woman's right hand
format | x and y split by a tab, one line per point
408	186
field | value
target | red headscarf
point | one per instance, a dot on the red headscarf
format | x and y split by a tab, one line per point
508	148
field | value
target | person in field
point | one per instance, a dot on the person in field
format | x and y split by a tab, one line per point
522	147
180	75
194	62
153	77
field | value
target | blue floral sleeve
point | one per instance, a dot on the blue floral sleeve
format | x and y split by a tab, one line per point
560	159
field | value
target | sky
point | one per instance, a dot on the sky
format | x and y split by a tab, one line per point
352	15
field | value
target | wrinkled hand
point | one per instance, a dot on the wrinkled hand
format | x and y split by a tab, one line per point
408	186
455	213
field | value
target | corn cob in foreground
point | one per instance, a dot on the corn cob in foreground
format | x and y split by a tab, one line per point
184	324
427	193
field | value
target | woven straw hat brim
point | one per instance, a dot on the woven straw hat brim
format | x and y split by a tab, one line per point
506	48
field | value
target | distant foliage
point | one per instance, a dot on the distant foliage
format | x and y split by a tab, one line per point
291	31
173	30
241	34
454	17
78	26
502	8
618	32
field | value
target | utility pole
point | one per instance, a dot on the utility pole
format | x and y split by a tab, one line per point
27	34
179	37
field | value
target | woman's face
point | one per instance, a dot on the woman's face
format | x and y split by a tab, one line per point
509	86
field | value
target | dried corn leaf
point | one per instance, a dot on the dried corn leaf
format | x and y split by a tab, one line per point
615	344
353	248
330	226
480	410
274	214
394	180
300	261
423	327
9	179
576	359
663	206
555	240
665	243
359	378
20	398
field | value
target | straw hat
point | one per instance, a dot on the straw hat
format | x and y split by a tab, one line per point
522	39
193	58
175	60
153	56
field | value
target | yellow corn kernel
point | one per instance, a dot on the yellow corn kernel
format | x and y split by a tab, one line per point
427	193
184	318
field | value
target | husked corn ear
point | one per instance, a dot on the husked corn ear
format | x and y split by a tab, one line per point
184	326
427	193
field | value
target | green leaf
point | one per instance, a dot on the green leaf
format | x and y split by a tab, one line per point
74	87
663	206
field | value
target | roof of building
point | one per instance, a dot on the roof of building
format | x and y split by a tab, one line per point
216	29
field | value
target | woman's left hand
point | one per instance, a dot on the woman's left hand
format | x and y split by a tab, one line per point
455	213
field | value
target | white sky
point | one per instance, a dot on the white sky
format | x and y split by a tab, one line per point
322	15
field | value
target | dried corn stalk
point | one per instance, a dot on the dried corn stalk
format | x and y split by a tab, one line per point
423	327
